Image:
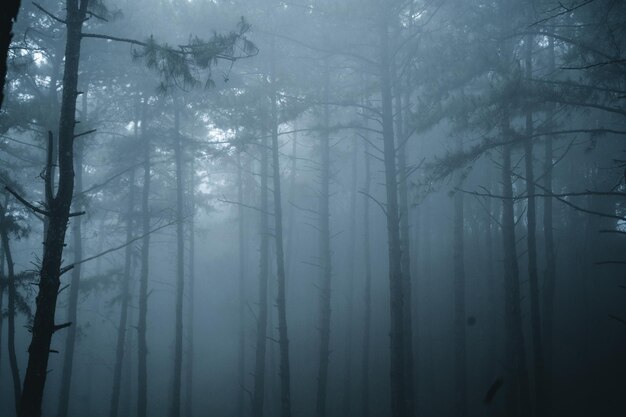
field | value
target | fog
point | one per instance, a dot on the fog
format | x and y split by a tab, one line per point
343	208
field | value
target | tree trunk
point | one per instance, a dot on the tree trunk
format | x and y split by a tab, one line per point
365	362
2	285
324	255
15	373
142	344
241	348
348	346
8	15
399	404
125	299
460	351
180	266
281	301
59	210
258	395
517	387
191	273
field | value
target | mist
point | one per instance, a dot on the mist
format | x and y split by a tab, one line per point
349	208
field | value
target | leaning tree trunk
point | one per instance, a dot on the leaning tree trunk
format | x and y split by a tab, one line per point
531	239
72	306
142	343
324	255
180	266
8	15
15	373
258	394
517	386
399	403
58	212
125	298
281	300
367	302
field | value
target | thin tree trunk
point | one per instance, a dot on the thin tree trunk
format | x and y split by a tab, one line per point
15	373
190	315
125	299
324	255
7	16
180	266
517	387
142	344
460	350
399	403
347	373
550	253
2	285
241	348
59	210
281	301
258	395
365	363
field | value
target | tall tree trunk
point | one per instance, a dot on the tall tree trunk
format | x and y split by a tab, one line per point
291	244
367	302
72	306
258	394
190	307
2	286
281	300
59	210
125	299
241	348
399	403
348	346
180	265
8	15
142	344
531	240
517	387
324	254
460	350
550	253
15	373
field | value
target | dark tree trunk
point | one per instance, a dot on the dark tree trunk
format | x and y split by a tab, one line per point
517	388
550	253
241	348
281	300
8	15
460	351
2	285
258	394
367	302
399	403
59	210
142	344
125	299
15	373
180	266
72	306
324	255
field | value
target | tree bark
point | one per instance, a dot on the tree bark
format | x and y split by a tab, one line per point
59	210
324	254
517	390
399	403
142	344
180	265
15	372
258	395
281	301
125	299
